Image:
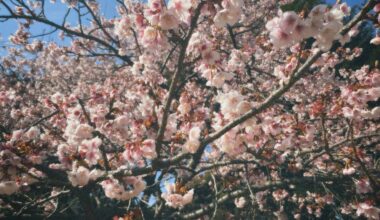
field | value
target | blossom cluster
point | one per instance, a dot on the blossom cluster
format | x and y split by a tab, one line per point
322	23
177	199
358	95
195	95
120	189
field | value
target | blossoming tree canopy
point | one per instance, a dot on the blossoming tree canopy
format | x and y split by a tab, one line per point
187	109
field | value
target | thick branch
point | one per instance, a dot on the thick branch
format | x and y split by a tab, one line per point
173	85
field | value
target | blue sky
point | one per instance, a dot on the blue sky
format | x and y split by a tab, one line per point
350	2
56	12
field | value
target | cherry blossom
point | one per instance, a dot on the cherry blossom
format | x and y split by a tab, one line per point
175	199
240	202
8	187
189	110
369	211
323	24
115	189
79	176
230	14
193	143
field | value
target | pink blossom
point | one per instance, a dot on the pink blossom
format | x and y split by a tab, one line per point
79	176
176	200
197	71
84	131
181	7
375	40
348	171
240	202
115	189
184	108
280	194
230	14
210	57
375	112
288	28
168	20
369	211
122	122
153	37
122	27
16	135
288	21
149	148
193	143
377	8
32	133
228	101
347	209
8	187
95	174
64	151
363	186
90	150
